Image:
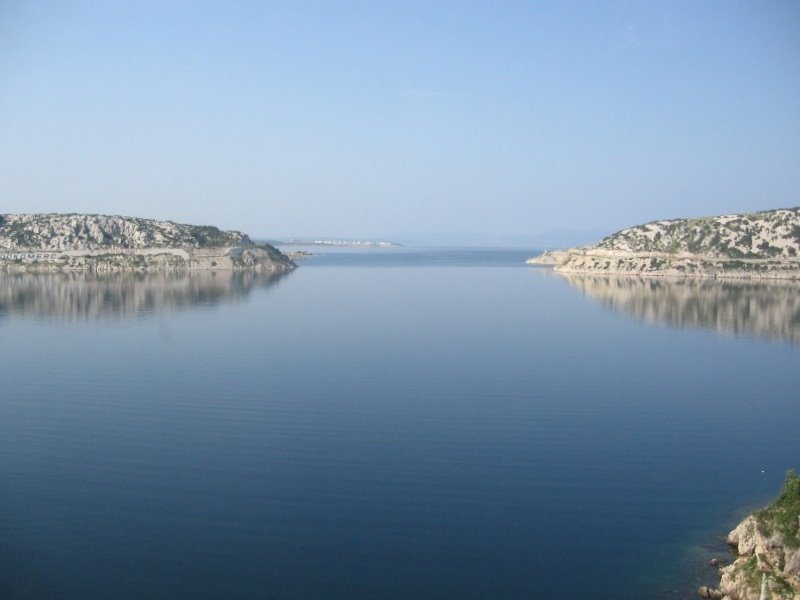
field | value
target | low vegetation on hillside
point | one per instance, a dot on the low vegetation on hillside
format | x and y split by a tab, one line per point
767	550
75	242
90	232
762	245
783	515
767	234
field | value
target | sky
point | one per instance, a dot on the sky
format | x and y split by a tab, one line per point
391	119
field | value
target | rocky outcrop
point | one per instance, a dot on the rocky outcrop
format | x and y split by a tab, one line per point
756	245
706	592
550	257
767	549
53	242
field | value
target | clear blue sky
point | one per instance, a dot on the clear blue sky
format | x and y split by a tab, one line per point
364	119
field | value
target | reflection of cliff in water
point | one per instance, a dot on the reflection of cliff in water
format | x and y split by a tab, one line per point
765	309
83	296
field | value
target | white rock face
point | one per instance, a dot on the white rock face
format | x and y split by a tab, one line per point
760	559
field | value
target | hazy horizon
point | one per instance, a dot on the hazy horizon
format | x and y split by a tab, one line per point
359	120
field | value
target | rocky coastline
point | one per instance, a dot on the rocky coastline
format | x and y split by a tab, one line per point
766	552
101	243
763	245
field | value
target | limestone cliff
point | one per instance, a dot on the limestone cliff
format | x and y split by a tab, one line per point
756	245
51	242
767	549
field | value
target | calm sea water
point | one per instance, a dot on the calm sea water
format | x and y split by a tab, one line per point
386	424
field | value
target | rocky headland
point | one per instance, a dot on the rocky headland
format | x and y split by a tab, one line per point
766	547
77	242
762	245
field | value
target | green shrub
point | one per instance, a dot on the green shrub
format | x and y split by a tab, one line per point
783	514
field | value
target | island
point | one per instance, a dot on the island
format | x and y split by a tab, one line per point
100	243
761	245
766	547
341	243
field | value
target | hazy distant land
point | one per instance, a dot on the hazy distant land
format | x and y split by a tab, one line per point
340	243
763	245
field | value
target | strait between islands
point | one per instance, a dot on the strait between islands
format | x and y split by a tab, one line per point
764	245
761	245
77	242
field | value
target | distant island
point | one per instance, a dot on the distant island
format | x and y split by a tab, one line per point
764	245
341	243
80	242
766	546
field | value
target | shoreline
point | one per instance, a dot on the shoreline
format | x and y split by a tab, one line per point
763	559
147	259
569	262
760	245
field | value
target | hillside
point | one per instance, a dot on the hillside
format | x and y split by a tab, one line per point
763	244
110	243
88	232
767	234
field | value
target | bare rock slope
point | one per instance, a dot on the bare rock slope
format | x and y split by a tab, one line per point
755	245
111	243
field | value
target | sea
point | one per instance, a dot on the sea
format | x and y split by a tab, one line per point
387	423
